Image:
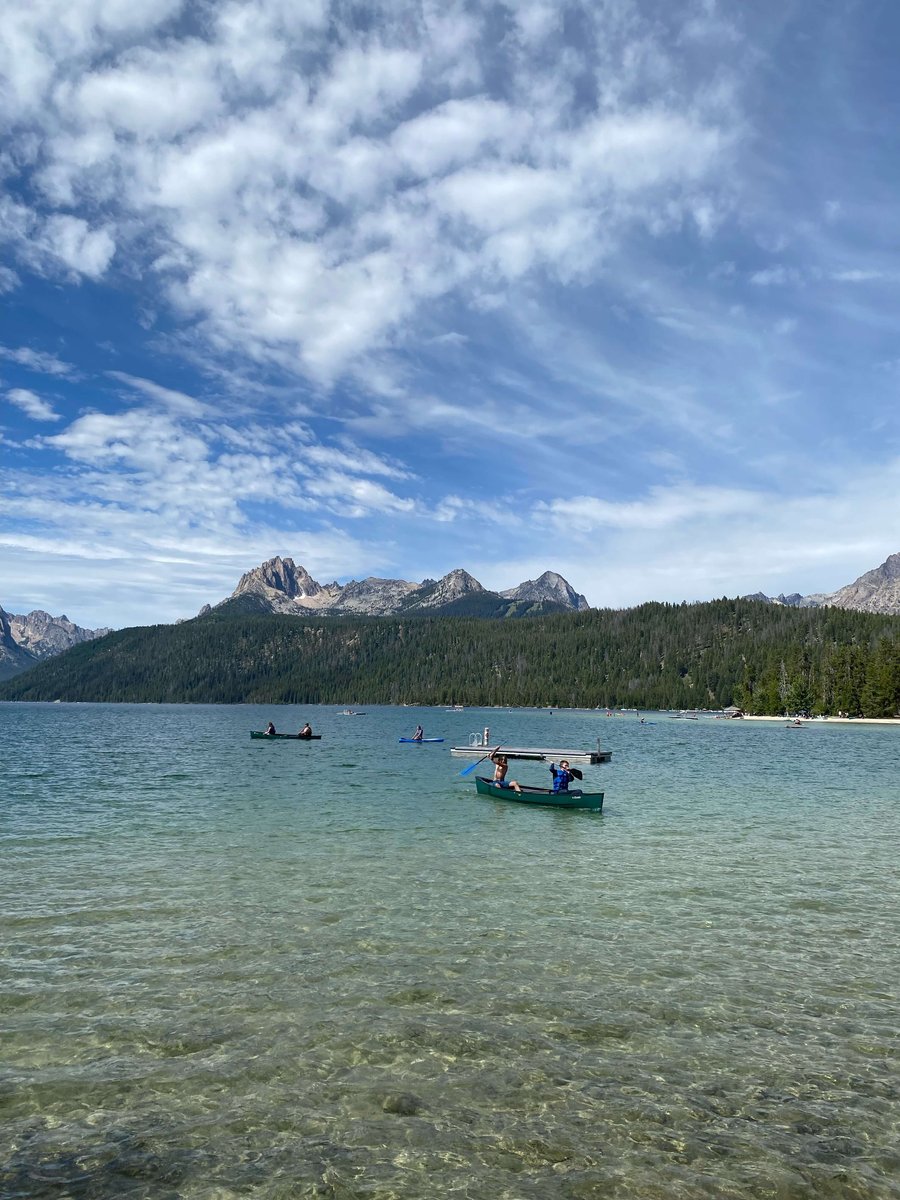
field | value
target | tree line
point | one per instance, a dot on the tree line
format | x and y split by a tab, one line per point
765	658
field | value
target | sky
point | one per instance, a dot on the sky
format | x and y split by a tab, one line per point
608	288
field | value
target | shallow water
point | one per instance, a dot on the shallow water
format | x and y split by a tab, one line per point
238	968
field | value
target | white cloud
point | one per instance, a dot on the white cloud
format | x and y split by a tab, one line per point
774	277
38	361
349	496
306	198
857	275
176	402
663	507
32	405
152	94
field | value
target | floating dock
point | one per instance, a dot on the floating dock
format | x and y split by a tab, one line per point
536	753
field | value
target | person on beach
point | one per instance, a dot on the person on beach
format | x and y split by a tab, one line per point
306	731
501	766
419	734
270	729
562	776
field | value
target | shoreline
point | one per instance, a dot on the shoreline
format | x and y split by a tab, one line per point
828	720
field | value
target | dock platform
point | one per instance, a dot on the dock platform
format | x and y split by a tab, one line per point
538	753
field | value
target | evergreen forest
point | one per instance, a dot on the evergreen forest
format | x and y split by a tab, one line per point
767	659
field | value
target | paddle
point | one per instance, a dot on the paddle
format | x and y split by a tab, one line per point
471	767
578	775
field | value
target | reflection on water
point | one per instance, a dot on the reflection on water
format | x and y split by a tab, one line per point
235	968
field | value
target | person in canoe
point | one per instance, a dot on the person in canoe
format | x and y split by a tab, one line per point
562	776
306	731
419	734
270	729
501	766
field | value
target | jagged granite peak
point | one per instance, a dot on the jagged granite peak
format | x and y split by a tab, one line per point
550	586
26	640
794	600
454	585
284	587
878	591
373	597
279	575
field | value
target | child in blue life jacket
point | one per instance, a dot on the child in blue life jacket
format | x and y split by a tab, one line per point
562	776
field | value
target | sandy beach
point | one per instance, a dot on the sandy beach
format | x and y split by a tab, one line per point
830	720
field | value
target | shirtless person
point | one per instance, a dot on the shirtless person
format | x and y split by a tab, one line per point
501	766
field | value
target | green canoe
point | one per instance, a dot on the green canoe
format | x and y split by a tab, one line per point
294	737
536	795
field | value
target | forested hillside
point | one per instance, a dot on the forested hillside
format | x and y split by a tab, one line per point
766	658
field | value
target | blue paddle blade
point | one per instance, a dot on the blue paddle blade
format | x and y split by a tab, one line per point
471	767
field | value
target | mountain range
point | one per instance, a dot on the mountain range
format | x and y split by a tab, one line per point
878	591
26	640
281	586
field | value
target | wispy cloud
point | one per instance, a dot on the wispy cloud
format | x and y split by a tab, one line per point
32	405
38	361
175	401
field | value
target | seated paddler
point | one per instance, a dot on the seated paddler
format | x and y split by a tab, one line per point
306	731
501	766
562	776
270	728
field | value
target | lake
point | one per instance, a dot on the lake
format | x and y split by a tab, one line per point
237	968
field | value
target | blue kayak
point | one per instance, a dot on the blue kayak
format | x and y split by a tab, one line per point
419	741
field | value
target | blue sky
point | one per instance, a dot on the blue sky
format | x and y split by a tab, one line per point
608	288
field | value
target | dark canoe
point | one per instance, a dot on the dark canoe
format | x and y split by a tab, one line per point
292	737
536	795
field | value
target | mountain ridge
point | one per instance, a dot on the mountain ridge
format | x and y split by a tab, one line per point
280	585
877	591
28	639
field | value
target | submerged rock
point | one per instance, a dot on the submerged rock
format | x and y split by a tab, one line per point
404	1104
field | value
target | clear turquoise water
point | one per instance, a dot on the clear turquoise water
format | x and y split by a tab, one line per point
227	964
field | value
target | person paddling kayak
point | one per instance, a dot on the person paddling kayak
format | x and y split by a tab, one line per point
419	734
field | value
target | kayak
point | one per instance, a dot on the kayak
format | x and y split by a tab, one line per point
293	737
536	795
419	741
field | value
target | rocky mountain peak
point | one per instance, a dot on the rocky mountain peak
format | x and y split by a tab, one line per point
550	586
452	586
26	640
461	581
280	575
878	591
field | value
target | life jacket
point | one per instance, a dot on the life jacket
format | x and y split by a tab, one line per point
561	778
